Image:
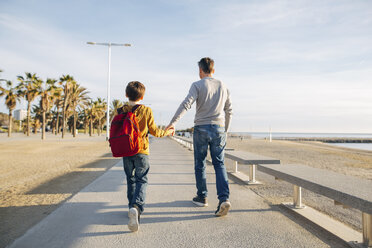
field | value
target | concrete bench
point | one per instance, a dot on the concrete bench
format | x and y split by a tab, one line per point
245	158
346	190
250	159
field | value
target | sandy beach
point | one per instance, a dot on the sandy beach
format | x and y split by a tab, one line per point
357	163
37	176
346	161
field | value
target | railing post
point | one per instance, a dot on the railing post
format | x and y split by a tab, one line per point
236	166
252	173
367	229
297	197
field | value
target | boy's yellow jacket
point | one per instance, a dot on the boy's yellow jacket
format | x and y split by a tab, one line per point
146	125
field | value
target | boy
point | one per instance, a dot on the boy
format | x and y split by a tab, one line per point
137	167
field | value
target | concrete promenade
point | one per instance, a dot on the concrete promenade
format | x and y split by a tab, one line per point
97	216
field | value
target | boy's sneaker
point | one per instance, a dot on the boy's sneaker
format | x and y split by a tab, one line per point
134	217
200	201
223	208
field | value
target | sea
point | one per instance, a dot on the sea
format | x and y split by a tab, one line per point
363	146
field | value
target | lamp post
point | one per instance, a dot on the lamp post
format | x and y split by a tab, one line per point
109	44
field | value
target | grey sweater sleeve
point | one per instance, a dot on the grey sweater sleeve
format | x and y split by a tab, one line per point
228	111
185	105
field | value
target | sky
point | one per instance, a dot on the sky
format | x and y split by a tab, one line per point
292	66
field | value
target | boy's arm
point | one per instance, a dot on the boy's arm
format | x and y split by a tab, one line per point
153	129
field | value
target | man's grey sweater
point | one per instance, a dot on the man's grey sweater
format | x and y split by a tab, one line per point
213	105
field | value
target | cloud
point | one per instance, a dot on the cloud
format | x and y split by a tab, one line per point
289	35
294	65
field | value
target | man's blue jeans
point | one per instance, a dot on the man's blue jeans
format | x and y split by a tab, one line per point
213	136
136	169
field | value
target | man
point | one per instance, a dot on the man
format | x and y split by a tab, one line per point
212	120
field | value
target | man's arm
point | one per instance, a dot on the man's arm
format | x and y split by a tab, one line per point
185	105
228	111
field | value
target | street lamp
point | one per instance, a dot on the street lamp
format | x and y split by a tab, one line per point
109	44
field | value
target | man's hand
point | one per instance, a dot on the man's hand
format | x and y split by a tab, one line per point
170	130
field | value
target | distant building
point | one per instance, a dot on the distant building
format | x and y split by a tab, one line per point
20	114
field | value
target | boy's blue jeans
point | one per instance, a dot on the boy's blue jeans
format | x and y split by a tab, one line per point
136	169
213	136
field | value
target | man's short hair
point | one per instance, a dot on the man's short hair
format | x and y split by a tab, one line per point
135	90
206	64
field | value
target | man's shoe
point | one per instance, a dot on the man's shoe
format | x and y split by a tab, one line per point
133	223
223	208
200	201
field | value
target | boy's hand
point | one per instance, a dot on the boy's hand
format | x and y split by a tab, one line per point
170	130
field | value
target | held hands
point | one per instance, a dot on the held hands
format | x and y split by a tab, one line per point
169	130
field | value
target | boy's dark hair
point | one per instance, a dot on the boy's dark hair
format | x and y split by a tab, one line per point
135	90
206	64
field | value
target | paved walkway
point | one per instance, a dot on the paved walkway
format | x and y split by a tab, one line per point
97	216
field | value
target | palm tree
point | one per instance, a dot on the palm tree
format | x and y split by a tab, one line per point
11	98
29	88
37	117
70	122
57	102
84	117
46	100
99	112
78	98
66	81
53	115
90	114
115	104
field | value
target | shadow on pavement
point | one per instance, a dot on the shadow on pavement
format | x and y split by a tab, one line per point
67	183
16	220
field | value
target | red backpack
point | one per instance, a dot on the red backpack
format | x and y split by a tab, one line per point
125	136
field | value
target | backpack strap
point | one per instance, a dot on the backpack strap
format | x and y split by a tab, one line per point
121	110
135	107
